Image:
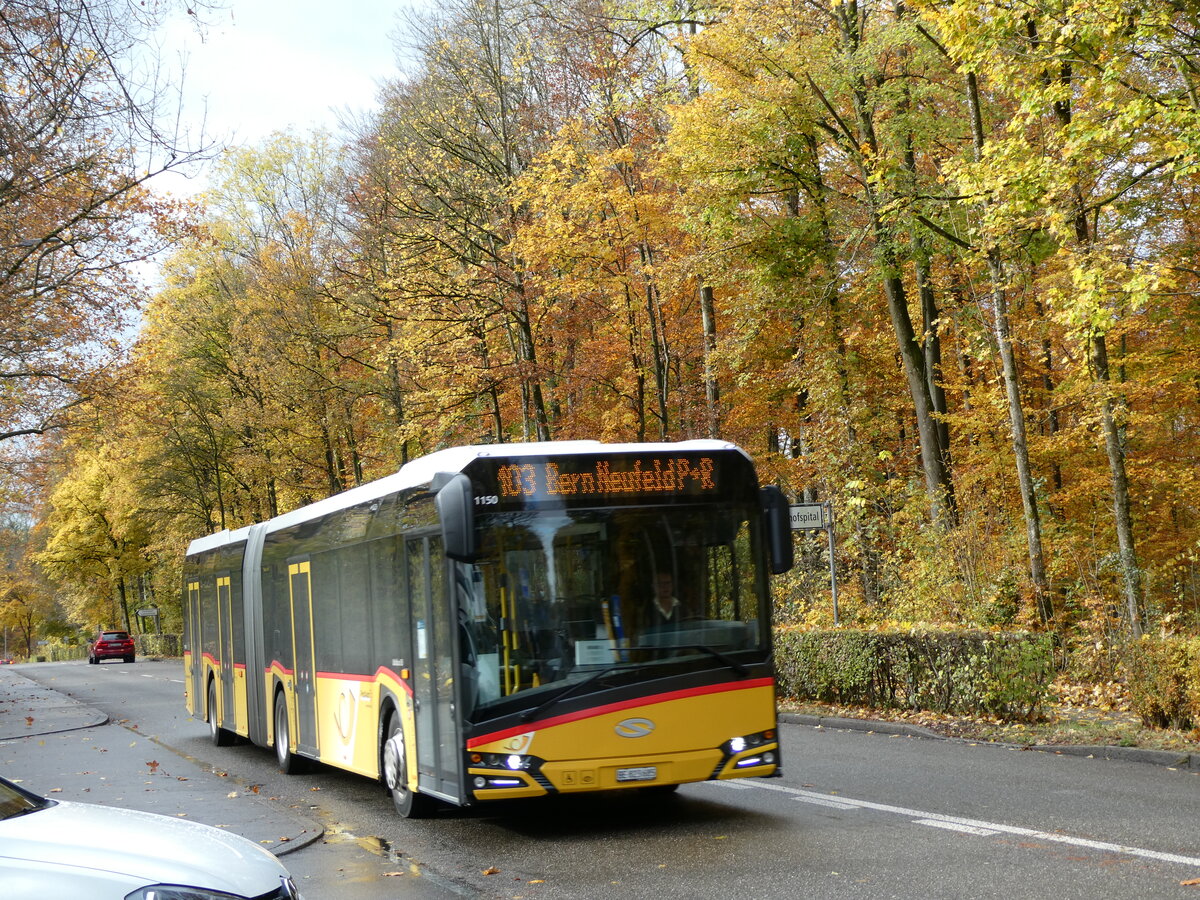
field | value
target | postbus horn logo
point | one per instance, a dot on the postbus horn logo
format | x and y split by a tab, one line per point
634	728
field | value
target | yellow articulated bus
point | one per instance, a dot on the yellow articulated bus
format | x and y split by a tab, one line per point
504	621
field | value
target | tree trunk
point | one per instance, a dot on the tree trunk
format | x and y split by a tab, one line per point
1115	448
1114	445
1012	389
938	485
712	390
937	478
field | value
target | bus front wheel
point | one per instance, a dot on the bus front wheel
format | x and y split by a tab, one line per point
289	762
408	803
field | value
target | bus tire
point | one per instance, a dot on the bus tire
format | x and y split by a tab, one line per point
218	735
289	762
409	804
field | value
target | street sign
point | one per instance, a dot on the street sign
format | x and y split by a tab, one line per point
818	517
149	612
808	516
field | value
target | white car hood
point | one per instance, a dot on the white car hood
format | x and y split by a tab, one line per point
154	848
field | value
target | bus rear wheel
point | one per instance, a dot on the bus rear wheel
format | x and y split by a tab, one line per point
409	804
289	762
219	736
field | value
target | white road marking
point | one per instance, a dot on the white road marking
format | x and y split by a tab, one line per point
832	804
953	826
958	823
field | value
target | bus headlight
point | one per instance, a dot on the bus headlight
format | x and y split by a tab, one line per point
504	768
746	743
512	762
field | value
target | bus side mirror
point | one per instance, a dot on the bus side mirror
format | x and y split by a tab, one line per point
777	514
455	503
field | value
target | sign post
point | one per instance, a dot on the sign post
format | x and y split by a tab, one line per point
818	517
150	612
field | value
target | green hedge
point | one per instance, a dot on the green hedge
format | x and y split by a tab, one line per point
169	645
1163	675
972	673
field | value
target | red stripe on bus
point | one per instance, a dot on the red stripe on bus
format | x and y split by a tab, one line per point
216	662
276	664
345	676
617	707
368	679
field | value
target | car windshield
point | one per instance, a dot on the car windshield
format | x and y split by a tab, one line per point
114	636
572	598
16	802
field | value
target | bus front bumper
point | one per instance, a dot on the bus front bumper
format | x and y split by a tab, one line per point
516	776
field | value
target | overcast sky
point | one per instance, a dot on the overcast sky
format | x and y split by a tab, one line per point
267	65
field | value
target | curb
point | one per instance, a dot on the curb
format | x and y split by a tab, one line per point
1171	759
28	709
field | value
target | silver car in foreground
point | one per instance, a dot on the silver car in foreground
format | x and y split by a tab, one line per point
51	848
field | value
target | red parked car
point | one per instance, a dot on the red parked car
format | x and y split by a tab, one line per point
111	645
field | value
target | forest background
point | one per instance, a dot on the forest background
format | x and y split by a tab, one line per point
932	262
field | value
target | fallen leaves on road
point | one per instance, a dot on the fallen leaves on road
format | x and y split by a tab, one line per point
491	870
28	721
1192	882
153	764
394	874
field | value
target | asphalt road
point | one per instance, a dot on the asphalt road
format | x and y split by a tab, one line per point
856	815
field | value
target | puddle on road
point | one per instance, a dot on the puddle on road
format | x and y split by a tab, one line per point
336	833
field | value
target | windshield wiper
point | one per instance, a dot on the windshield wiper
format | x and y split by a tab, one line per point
566	692
738	669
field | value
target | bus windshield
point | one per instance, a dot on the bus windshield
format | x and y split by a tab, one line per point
561	596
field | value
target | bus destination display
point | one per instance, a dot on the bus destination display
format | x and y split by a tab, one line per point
609	479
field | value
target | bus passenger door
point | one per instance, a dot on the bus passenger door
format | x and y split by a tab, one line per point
225	651
304	704
435	682
194	661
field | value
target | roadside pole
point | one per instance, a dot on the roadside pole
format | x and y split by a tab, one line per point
818	517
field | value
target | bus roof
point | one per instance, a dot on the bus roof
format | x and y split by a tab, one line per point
421	471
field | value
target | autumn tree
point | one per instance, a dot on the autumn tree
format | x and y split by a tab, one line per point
455	135
630	317
27	607
96	536
83	126
1094	159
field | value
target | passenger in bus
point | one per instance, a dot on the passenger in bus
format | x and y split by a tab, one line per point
665	609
